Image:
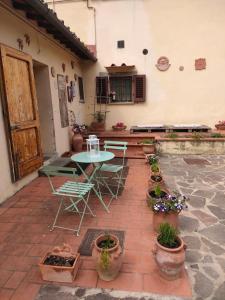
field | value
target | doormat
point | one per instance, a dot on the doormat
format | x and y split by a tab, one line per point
91	234
196	161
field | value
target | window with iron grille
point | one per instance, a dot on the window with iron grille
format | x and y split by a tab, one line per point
81	89
121	89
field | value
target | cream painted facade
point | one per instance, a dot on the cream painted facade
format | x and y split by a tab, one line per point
48	52
182	30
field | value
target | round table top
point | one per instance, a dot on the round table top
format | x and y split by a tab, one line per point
86	157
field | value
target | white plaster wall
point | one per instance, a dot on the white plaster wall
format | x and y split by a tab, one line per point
47	52
182	30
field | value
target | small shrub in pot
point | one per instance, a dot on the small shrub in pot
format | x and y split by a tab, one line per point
169	252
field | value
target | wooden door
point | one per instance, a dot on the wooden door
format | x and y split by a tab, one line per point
20	112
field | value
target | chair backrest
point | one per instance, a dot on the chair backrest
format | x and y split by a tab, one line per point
116	145
51	171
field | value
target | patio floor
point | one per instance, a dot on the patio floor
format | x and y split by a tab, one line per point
25	237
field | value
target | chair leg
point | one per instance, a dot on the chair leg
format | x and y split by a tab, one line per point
83	213
57	214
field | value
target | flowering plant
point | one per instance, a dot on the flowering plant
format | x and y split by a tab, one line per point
221	122
120	124
79	128
170	202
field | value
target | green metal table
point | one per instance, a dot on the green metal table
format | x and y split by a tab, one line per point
96	160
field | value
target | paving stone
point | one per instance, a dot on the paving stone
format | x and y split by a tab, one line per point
203	285
220	187
211	272
213	247
186	191
219	200
217	211
197	201
207	259
204	217
220	293
215	233
183	183
221	262
193	256
192	242
195	266
204	193
188	224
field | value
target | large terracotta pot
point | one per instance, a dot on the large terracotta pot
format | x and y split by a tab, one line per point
114	255
161	217
77	142
97	126
148	148
170	261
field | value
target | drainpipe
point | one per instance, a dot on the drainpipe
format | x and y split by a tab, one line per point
94	10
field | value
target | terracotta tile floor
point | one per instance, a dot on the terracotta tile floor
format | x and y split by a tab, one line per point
25	237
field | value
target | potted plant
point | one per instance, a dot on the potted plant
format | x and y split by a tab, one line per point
220	125
148	146
77	138
155	176
169	252
99	121
107	254
119	126
166	207
60	264
152	159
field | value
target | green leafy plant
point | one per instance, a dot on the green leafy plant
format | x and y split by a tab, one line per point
105	244
155	168
99	116
217	135
148	142
152	159
196	136
158	191
168	236
172	135
105	259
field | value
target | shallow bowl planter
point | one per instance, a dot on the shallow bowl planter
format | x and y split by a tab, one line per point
148	148
114	258
119	128
59	273
170	260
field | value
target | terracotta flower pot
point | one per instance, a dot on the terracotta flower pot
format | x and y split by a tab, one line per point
170	260
77	142
97	126
108	261
156	179
60	273
220	127
119	128
148	148
161	217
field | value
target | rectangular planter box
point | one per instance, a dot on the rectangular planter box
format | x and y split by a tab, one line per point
59	273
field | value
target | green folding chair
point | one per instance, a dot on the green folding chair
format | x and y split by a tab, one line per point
117	170
73	195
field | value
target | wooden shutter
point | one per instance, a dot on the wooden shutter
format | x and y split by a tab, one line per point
139	88
20	112
81	88
101	89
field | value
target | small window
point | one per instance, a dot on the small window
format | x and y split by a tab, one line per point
120	44
120	89
81	89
